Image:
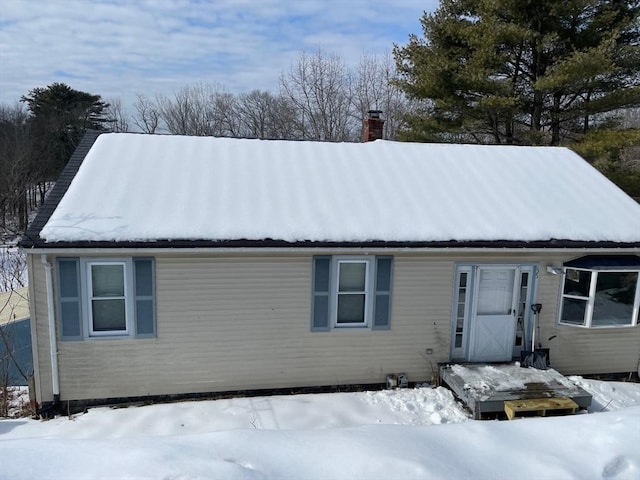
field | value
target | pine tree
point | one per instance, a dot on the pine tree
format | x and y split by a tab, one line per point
59	117
521	71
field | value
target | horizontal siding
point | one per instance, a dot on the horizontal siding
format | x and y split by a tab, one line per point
584	351
40	328
243	323
236	322
422	305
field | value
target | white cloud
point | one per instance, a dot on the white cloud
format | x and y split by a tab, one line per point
117	48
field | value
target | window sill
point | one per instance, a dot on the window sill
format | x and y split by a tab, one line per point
598	327
352	327
109	336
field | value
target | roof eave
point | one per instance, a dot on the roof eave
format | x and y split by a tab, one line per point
39	243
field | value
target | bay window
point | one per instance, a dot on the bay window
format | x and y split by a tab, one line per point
600	293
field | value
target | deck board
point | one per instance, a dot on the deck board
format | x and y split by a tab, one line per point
539	406
485	387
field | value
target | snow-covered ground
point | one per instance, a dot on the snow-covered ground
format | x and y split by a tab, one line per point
420	433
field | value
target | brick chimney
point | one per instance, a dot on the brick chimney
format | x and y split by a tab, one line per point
373	126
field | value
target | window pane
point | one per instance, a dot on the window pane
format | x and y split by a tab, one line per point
352	277
108	315
577	282
107	280
522	309
351	308
615	294
496	291
460	311
573	311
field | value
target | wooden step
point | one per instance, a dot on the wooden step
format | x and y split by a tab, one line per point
540	407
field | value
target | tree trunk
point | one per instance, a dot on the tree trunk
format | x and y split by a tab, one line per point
538	69
585	125
555	119
23	212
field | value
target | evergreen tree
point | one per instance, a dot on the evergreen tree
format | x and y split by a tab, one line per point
521	71
59	117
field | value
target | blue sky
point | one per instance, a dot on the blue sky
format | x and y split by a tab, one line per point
120	48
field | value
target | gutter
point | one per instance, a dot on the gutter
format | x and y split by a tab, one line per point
53	346
319	250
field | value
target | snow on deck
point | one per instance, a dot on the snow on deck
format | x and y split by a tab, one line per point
134	187
482	380
485	387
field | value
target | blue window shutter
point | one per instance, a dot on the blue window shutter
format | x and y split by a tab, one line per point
69	299
320	301
144	297
382	300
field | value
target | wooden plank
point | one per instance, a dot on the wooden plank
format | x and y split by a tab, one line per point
540	406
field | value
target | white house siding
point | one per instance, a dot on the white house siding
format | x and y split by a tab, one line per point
238	322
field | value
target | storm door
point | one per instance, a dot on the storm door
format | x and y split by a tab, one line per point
491	312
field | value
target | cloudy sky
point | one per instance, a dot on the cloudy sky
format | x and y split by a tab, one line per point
118	48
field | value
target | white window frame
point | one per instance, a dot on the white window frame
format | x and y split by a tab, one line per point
590	300
87	296
368	290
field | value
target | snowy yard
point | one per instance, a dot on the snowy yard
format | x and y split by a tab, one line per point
418	433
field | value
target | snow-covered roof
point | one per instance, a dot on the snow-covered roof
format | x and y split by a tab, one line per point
136	187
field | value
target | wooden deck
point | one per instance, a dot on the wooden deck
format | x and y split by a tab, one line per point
484	388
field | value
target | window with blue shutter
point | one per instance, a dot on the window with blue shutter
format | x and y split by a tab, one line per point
104	297
351	292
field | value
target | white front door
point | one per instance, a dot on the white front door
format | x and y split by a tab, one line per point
493	319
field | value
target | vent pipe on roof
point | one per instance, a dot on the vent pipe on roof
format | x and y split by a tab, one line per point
373	126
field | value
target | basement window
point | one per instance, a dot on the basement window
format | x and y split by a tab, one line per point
601	292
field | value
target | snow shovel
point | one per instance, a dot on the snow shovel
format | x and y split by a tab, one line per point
534	358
